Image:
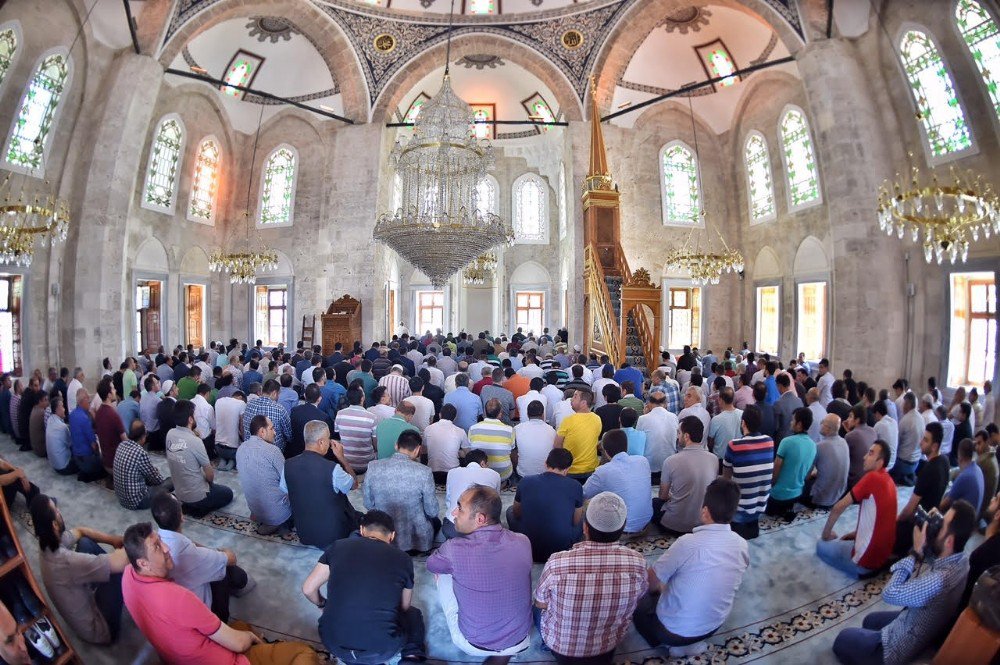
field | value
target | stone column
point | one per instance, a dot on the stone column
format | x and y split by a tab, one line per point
95	324
868	286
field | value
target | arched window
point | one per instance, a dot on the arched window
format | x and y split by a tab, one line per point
681	187
28	143
563	213
800	160
945	128
8	50
164	160
277	197
760	190
531	210
486	196
205	182
981	35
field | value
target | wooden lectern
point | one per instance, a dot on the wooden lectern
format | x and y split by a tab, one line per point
341	323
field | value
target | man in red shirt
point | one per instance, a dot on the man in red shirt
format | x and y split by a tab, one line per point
108	425
867	549
179	626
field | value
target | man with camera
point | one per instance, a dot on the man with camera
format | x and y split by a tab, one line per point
928	584
932	481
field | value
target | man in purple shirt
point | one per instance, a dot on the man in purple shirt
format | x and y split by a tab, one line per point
486	573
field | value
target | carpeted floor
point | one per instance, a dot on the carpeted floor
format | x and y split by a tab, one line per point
788	610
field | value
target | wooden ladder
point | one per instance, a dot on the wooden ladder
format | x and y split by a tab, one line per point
308	330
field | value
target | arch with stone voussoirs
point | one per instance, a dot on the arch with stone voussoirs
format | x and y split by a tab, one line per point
425	62
637	22
315	25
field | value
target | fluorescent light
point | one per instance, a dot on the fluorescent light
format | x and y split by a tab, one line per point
626	104
199	70
327	108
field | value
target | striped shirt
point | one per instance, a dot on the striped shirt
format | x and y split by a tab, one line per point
356	427
398	387
497	441
752	462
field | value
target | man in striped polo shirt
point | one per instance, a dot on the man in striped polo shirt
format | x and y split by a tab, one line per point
750	462
496	439
356	427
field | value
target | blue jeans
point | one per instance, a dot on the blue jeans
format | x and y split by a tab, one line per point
837	553
903	472
863	646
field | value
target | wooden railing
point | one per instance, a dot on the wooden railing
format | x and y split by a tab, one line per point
650	347
600	298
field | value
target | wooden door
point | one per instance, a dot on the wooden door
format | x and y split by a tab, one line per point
151	321
392	313
195	299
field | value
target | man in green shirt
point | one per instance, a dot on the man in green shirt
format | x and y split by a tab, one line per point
187	387
630	401
368	381
388	430
794	460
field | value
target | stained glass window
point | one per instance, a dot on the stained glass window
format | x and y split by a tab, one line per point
414	110
681	195
26	146
541	111
205	182
241	71
8	48
531	210
812	319
164	159
934	91
983	39
720	64
278	190
486	196
799	158
563	213
481	129
760	190
482	6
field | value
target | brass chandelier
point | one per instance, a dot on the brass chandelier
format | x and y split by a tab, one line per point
948	217
27	217
481	268
244	263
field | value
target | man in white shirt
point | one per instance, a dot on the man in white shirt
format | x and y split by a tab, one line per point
886	429
534	439
204	416
449	381
74	386
588	376
819	413
607	372
383	406
475	472
424	407
824	382
531	368
553	395
660	426
447	364
443	442
437	376
533	395
228	425
693	407
563	409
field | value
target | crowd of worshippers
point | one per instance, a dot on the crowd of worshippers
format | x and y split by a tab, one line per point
580	443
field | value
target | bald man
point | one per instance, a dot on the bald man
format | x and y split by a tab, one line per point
828	480
818	411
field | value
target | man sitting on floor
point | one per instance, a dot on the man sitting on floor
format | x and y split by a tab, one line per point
475	470
178	625
86	452
928	489
317	488
625	475
968	484
83	581
190	468
134	473
484	580
210	574
683	479
548	507
828	480
367	615
261	465
58	443
792	463
868	547
928	584
693	584
588	594
404	488
749	461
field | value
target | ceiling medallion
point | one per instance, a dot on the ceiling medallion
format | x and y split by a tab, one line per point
572	39
272	28
480	61
688	18
384	43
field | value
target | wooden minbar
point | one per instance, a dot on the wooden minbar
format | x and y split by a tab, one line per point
341	323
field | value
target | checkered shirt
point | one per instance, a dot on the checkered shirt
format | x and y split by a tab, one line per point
591	592
278	416
134	474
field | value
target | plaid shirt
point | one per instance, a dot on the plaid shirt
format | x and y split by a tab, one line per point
134	474
674	404
279	417
591	592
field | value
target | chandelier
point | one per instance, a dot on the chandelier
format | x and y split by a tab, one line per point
440	227
27	217
947	216
244	263
482	267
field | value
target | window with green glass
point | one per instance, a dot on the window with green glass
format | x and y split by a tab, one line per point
981	35
680	187
8	49
26	146
759	186
278	193
164	159
799	159
205	182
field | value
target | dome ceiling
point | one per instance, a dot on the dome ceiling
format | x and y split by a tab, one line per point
472	7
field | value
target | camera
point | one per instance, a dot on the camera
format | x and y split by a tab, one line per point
934	521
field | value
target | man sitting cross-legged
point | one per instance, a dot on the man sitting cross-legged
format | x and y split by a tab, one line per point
866	549
625	475
475	470
261	465
178	625
548	507
367	615
211	574
135	476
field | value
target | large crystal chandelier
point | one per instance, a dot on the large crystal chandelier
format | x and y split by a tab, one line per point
243	263
27	217
440	228
947	216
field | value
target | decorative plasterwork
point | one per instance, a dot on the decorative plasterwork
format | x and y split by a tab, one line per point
273	28
257	99
687	18
480	62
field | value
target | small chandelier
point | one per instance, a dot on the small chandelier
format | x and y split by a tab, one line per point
244	263
705	263
481	268
947	216
27	217
440	228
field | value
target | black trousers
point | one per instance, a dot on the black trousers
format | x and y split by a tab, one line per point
655	633
235	579
409	643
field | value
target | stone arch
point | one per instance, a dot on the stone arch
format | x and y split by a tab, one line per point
638	21
151	256
430	59
529	272
758	84
317	26
811	258
767	265
195	262
284	268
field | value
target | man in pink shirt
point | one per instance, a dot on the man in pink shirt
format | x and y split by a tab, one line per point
179	626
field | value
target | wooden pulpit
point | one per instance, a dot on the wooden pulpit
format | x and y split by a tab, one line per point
341	323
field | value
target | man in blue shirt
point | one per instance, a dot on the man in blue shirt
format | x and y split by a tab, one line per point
287	397
252	376
331	392
128	409
468	404
627	373
625	475
969	484
86	452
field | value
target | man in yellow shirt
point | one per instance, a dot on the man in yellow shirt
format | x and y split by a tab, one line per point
579	433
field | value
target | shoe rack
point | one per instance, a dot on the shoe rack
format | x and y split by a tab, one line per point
19	592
